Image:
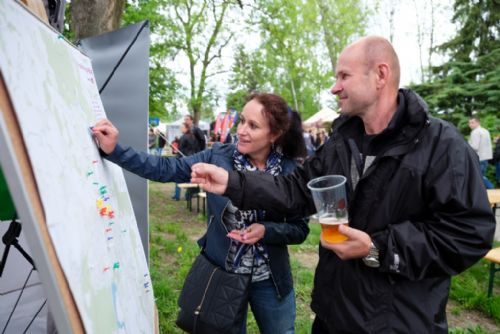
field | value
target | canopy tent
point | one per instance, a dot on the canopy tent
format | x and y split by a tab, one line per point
173	129
324	115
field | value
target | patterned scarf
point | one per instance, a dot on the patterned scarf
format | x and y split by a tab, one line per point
244	218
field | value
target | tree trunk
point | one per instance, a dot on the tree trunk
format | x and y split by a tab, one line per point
94	17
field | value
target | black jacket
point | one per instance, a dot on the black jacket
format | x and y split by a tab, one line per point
496	154
423	203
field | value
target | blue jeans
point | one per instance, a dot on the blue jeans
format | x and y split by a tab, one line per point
273	316
177	195
497	166
487	183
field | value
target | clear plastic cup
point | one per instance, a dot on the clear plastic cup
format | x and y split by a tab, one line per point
330	199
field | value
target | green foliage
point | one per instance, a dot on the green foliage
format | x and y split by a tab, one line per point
470	289
67	33
299	42
236	99
469	83
163	86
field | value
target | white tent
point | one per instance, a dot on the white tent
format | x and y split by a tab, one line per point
174	129
324	115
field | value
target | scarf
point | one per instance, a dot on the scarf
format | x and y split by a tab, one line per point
245	258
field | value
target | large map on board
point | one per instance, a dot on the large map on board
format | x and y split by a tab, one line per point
87	207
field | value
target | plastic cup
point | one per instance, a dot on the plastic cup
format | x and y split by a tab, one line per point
330	199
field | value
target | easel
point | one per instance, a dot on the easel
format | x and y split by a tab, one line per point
30	209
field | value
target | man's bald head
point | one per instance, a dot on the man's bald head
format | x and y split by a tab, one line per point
376	50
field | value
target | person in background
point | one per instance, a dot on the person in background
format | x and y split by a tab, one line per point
240	241
198	134
309	142
480	141
418	209
296	131
161	143
322	138
175	146
151	141
496	158
186	147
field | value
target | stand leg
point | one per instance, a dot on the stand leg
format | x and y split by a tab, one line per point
492	278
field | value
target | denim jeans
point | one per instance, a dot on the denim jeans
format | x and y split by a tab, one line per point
487	183
177	195
497	165
273	316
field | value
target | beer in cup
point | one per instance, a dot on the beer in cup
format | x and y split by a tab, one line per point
330	199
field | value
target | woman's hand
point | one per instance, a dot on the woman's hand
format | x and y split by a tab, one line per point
250	235
106	134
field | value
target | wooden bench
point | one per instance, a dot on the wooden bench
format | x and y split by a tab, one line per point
203	196
494	198
494	257
187	186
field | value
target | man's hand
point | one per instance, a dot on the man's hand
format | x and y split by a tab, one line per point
250	235
356	246
106	134
210	177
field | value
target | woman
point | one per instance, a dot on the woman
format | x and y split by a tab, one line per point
233	235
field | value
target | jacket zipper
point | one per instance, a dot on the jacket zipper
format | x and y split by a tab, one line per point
268	262
222	216
198	308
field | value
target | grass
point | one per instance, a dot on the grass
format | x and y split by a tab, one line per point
173	235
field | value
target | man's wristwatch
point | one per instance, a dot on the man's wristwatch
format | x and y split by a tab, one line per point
371	260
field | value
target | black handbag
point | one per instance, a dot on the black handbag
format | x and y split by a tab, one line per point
212	300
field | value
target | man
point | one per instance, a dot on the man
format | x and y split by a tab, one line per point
480	141
198	134
418	212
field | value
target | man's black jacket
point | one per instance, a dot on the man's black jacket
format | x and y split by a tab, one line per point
423	203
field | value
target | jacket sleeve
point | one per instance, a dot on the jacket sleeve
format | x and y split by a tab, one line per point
456	228
290	232
156	168
283	194
474	140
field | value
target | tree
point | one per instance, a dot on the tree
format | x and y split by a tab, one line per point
294	58
469	83
164	89
340	20
201	34
94	17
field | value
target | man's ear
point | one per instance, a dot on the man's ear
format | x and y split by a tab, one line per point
383	73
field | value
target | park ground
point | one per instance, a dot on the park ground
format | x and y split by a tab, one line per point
173	234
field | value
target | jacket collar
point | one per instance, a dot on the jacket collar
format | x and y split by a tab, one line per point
403	130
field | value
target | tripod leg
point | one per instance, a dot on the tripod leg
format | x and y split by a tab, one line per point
4	259
26	255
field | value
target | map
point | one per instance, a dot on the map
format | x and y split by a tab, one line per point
85	199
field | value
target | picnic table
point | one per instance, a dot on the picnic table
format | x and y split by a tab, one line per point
494	257
494	198
194	188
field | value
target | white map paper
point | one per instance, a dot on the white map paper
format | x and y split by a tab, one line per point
85	199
